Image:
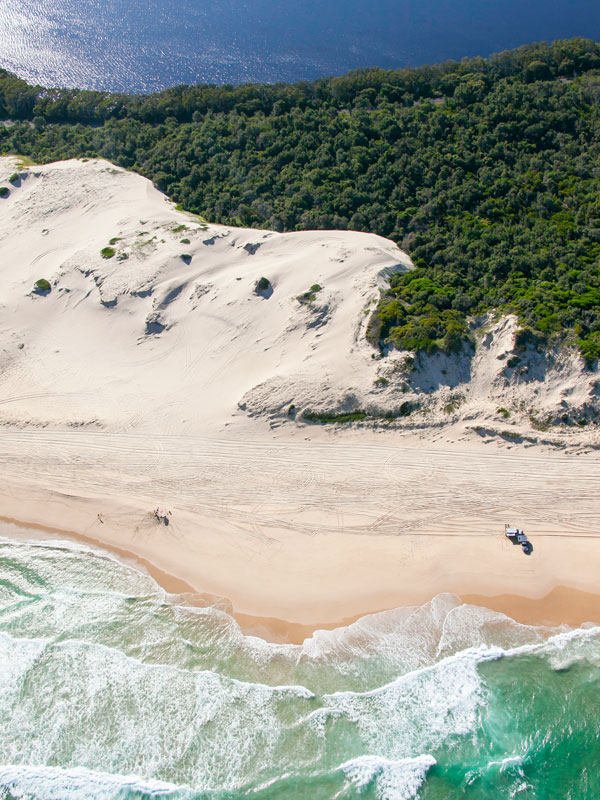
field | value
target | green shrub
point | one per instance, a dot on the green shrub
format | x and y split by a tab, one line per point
525	338
590	348
310	296
539	424
513	435
513	361
263	285
503	412
185	241
185	257
405	410
107	252
4	192
14	178
42	285
326	418
122	256
115	239
413	314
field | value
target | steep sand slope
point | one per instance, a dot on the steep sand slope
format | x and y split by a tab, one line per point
165	335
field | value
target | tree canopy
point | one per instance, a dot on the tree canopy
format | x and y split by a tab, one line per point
487	171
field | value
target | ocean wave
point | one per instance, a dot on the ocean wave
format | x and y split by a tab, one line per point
27	782
118	682
72	703
226	733
127	610
394	780
563	649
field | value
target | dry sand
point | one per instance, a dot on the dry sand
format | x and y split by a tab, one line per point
131	385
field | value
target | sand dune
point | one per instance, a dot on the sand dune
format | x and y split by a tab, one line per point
167	335
160	376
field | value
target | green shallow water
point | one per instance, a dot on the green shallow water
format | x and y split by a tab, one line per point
109	688
538	737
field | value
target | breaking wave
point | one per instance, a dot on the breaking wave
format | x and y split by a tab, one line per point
111	688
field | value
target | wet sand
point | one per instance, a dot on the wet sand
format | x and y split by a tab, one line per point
561	605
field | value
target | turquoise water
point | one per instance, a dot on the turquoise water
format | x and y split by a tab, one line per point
109	688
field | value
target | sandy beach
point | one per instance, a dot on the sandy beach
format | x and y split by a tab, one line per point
150	378
345	529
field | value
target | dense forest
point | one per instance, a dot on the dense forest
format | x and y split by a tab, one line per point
487	171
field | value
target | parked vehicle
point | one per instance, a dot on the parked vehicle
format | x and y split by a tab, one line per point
517	536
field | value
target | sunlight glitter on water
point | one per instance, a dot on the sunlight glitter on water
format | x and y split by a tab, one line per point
146	45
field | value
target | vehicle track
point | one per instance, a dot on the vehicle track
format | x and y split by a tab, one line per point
314	487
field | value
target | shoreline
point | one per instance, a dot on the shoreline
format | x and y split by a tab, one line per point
562	605
295	535
176	392
271	629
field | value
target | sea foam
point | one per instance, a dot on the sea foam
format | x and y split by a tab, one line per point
104	674
52	783
394	780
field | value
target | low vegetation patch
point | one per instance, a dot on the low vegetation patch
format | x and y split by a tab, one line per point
539	424
310	296
23	161
453	404
14	178
42	286
107	252
503	413
358	415
415	314
512	435
327	418
4	191
263	286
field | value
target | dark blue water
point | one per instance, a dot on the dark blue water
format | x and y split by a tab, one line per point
144	45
